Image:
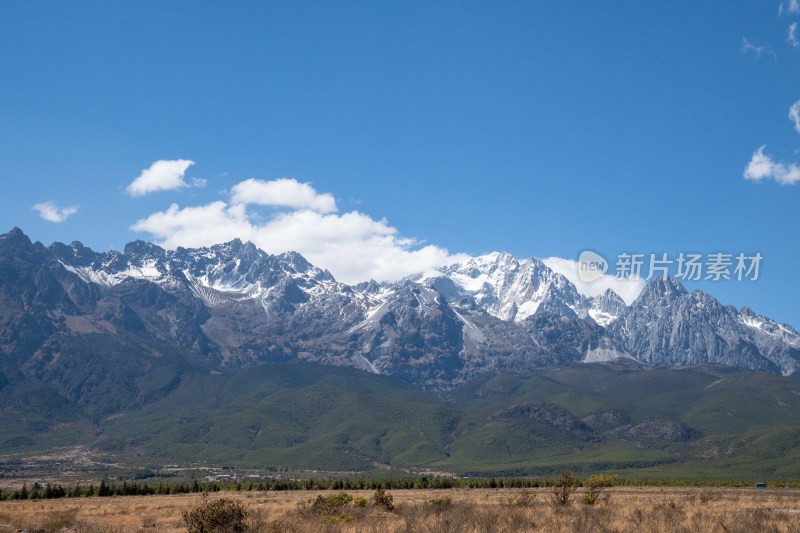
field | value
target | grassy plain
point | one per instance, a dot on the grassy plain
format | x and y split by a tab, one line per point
656	509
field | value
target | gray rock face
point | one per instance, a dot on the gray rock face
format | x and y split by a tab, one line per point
660	431
134	322
548	414
229	306
607	421
666	325
574	339
415	335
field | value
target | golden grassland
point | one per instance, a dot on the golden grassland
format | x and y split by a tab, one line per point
622	509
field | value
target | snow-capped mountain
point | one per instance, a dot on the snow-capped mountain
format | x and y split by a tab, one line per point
508	288
127	316
666	325
234	269
606	308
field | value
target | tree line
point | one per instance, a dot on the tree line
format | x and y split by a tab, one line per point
52	491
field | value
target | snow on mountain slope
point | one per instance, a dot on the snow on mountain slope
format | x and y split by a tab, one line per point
489	311
502	285
222	273
508	288
606	308
769	328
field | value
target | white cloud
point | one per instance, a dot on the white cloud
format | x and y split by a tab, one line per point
353	246
194	227
161	176
792	7
199	182
282	192
758	51
627	289
791	38
794	115
50	211
761	166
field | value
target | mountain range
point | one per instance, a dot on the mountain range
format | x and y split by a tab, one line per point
102	334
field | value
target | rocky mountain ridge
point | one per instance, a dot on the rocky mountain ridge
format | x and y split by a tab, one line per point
84	320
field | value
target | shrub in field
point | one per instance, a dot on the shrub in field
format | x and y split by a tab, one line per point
360	502
564	487
524	498
383	499
595	485
218	516
332	504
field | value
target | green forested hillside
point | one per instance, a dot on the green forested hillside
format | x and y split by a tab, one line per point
690	422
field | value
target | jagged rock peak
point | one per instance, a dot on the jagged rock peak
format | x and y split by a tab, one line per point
662	288
16	235
140	248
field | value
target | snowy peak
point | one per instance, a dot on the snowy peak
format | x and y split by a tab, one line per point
232	267
766	326
508	288
606	308
488	312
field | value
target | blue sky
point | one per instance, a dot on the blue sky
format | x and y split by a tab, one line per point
435	128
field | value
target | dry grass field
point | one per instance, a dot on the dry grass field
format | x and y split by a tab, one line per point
456	510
